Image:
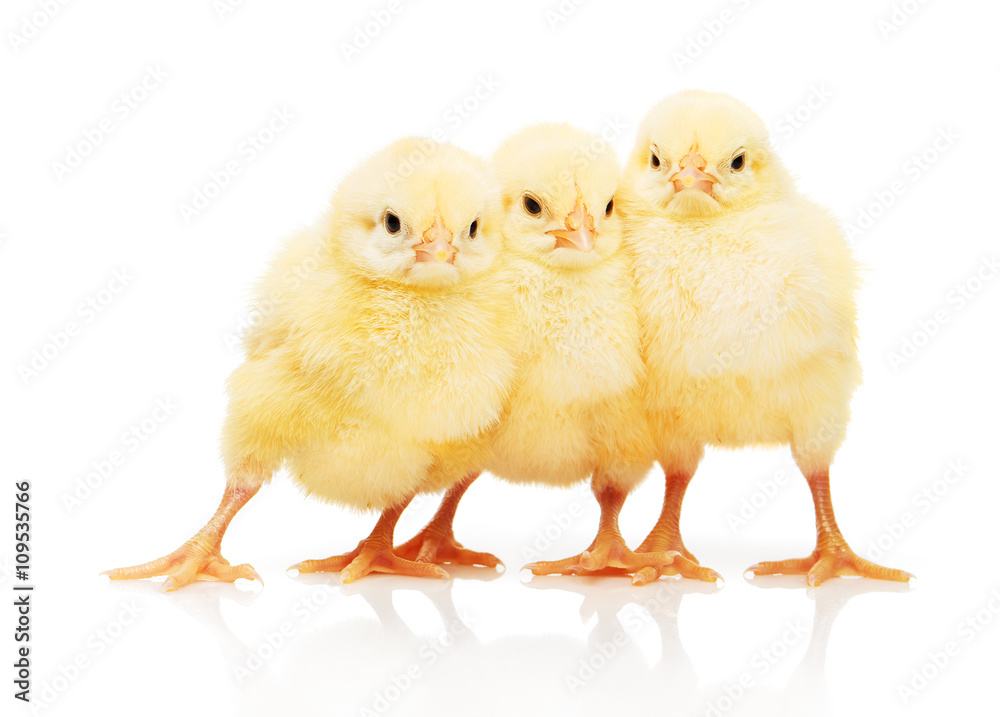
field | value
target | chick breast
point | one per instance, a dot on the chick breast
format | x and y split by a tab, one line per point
576	399
748	326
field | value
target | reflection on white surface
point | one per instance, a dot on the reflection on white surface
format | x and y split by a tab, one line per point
489	643
403	646
613	651
806	692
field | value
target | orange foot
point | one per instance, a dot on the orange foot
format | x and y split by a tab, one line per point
823	564
197	559
684	564
607	555
372	555
832	556
431	546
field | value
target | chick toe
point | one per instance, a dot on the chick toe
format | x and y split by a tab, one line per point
371	556
430	546
198	559
830	562
333	564
607	555
681	565
606	561
684	563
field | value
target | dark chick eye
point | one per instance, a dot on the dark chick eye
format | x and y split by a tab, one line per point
738	162
610	208
532	207
392	224
654	161
473	229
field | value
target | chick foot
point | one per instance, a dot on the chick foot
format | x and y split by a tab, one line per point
436	542
199	558
684	564
428	547
833	556
608	554
371	556
832	561
666	536
374	554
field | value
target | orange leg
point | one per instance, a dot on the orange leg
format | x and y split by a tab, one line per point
374	554
199	558
666	536
832	556
608	554
436	542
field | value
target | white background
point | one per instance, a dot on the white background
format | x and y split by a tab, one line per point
872	83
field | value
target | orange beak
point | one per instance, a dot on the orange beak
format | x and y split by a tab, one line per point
436	244
579	233
692	174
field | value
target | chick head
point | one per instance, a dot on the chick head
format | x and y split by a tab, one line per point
557	186
418	213
700	154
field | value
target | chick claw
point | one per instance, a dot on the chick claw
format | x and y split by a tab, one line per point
370	557
430	547
195	560
838	560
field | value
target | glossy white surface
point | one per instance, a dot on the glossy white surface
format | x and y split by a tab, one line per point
485	644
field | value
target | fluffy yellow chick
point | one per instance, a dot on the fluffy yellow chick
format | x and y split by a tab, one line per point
576	410
746	298
385	362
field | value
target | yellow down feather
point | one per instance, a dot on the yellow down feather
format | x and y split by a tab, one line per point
371	376
746	301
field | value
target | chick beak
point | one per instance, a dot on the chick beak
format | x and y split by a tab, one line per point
692	174
436	244
579	233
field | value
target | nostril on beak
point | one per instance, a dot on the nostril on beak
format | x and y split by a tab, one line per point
439	250
437	232
579	232
693	157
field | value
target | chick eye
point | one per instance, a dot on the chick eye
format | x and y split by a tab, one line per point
391	222
737	163
610	208
654	157
473	229
531	206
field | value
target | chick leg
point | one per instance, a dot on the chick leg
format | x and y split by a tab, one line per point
374	554
666	535
199	558
608	552
436	542
832	556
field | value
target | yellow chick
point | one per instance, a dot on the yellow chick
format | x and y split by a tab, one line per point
576	410
384	364
746	298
